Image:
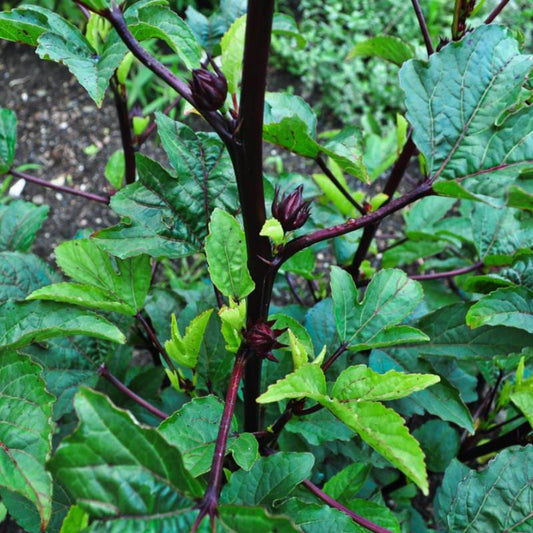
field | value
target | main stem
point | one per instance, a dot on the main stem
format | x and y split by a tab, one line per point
247	157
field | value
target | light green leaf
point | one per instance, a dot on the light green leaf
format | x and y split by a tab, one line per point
185	350
193	429
456	129
308	381
19	222
232	46
496	499
245	450
390	297
512	307
285	25
118	458
100	5
225	248
298	351
273	229
384	430
271	478
522	397
23	323
26	436
319	428
115	169
284	321
20	274
384	46
301	263
105	283
8	138
361	383
75	521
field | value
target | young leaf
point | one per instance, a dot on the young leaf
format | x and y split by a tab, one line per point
19	222
384	46
140	460
384	430
193	429
105	283
511	307
308	381
245	450
184	350
8	137
462	140
361	383
115	169
232	46
28	322
225	248
273	229
270	479
495	499
26	441
20	274
390	297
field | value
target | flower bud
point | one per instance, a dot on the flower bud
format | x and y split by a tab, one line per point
263	339
209	89
291	211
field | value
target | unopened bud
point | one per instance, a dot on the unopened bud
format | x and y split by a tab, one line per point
209	89
291	210
263	339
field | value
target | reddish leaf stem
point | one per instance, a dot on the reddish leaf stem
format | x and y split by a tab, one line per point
336	505
325	169
62	188
423	27
449	273
497	10
104	372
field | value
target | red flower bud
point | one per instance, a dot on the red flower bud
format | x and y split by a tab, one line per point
263	339
291	211
209	89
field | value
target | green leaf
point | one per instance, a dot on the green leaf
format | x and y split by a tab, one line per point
442	399
451	337
75	521
100	5
23	323
463	140
20	274
26	440
118	458
290	123
225	248
495	499
193	429
115	169
19	222
379	514
390	297
522	396
384	46
8	138
512	307
285	25
160	22
422	218
273	229
361	383
184	350
245	450
308	381
301	263
105	283
319	428
410	251
440	443
384	430
232	46
271	478
346	484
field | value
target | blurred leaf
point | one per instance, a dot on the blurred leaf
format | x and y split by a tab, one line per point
384	46
440	443
8	138
344	485
19	223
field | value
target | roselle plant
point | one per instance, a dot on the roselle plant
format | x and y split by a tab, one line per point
390	392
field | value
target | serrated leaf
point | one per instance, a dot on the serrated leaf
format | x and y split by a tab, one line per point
308	381
511	307
20	274
19	223
344	485
193	429
290	123
22	323
390	297
319	428
495	499
139	462
26	437
384	430
384	46
225	248
456	129
271	478
105	283
361	383
8	138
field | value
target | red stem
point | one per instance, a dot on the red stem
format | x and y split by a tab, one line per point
449	273
104	372
423	27
62	188
497	10
336	505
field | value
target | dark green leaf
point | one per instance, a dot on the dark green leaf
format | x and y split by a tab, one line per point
344	485
440	443
19	222
8	137
319	427
25	437
270	479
